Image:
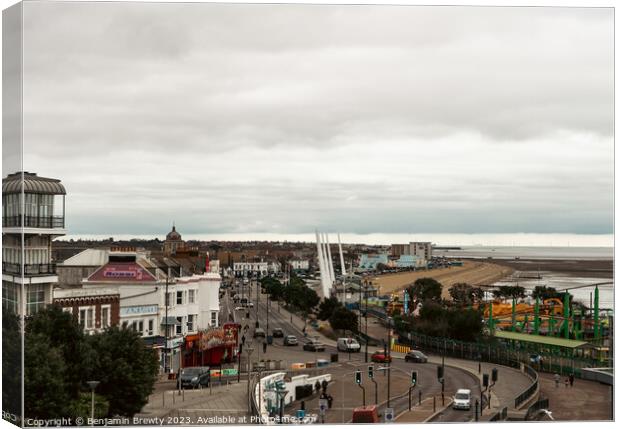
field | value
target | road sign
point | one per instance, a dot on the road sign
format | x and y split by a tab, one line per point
322	406
389	415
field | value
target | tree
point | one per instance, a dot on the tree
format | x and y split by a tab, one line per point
327	308
509	292
47	390
11	363
464	294
343	319
426	288
126	369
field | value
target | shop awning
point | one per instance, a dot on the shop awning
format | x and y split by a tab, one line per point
170	321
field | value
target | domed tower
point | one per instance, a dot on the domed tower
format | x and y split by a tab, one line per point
33	214
173	242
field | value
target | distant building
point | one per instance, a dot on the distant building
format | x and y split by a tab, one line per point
422	249
173	242
42	220
410	261
370	261
263	268
299	264
94	309
397	250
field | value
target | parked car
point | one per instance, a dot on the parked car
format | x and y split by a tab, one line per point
290	340
277	333
314	346
239	308
259	332
348	345
462	400
365	415
380	357
416	356
194	377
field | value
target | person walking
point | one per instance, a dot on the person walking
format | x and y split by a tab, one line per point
566	382
556	377
571	379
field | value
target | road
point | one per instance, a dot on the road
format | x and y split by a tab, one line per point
343	372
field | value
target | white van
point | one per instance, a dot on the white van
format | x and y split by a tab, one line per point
348	345
462	400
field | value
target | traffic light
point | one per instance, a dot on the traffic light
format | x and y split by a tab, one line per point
494	375
371	372
485	380
358	377
439	372
414	378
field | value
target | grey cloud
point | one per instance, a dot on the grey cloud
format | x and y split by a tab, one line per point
276	117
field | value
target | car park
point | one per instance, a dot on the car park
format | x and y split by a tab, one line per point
381	357
462	400
348	345
290	340
416	356
194	377
314	346
277	333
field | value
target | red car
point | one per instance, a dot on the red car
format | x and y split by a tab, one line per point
381	357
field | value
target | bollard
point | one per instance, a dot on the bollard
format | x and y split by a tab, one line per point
163	399
434	403
419	397
183	395
479	367
173	400
443	401
476	411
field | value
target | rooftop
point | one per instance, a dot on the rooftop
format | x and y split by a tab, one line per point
33	184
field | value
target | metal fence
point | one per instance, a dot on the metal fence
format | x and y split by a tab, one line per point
500	415
527	393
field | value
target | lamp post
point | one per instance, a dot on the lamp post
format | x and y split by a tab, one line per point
249	350
366	317
93	385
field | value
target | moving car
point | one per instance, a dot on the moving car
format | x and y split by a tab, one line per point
259	332
416	356
277	333
462	400
238	308
194	377
314	346
381	357
290	340
348	345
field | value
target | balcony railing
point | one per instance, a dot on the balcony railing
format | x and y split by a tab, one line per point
34	221
29	269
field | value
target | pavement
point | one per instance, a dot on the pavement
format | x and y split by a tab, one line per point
585	401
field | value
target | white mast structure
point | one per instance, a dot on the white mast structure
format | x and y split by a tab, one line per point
325	261
344	270
330	266
322	268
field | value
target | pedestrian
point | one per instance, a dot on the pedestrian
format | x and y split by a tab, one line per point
566	382
330	400
556	377
571	379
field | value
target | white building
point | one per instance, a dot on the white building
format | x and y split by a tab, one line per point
421	249
299	264
243	269
33	214
191	303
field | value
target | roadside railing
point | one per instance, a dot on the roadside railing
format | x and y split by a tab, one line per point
541	404
531	390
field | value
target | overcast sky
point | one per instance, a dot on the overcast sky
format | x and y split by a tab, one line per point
287	118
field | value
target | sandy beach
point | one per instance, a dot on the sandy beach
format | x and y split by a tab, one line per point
472	272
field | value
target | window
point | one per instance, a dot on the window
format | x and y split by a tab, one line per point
180	297
190	322
214	318
151	324
86	318
179	325
191	296
36	298
9	296
105	316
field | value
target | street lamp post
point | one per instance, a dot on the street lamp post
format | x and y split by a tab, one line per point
249	354
389	359
93	385
366	317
